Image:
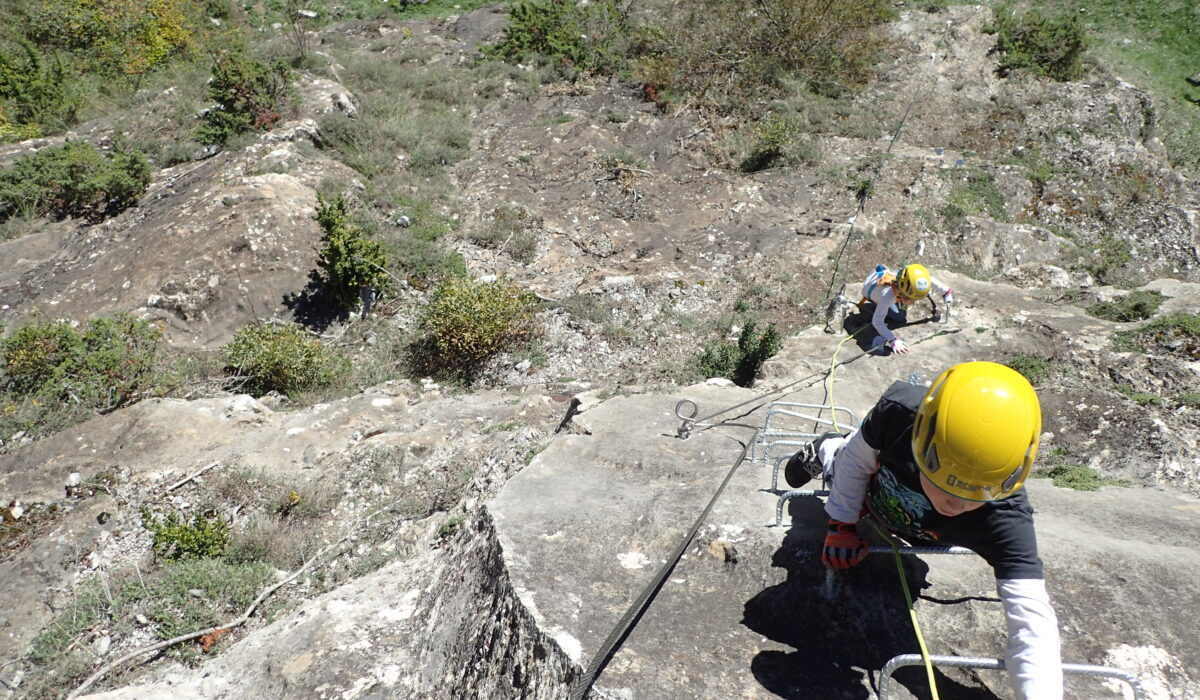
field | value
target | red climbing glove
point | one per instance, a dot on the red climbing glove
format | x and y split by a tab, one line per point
843	546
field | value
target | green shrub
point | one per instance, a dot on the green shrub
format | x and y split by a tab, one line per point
1141	398
74	179
205	536
89	606
1049	46
772	138
1135	306
250	96
579	35
1191	400
115	39
36	96
1077	476
184	596
740	363
1177	334
351	260
468	320
280	357
508	231
107	363
1033	368
732	56
1107	259
976	194
225	589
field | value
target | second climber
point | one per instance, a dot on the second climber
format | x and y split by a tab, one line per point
887	294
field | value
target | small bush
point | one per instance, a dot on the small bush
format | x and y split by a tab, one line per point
225	589
74	179
283	357
115	39
1107	259
1077	476
509	231
579	35
733	56
740	363
250	96
1191	400
1177	334
205	536
773	136
1048	46
976	194
1033	368
1135	306
108	363
89	606
350	259
1141	398
35	95
467	320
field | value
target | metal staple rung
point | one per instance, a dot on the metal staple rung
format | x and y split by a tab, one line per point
775	408
766	455
885	675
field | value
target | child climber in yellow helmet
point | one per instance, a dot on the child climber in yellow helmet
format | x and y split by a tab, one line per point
947	465
891	292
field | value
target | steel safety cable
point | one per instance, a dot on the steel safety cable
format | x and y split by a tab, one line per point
634	613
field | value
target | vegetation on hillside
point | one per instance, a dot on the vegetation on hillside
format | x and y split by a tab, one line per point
1051	46
55	373
75	179
469	320
1151	43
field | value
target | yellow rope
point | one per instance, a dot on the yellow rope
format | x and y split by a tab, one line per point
829	380
912	612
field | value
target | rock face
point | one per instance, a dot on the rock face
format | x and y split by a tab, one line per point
748	611
445	623
492	586
212	244
141	452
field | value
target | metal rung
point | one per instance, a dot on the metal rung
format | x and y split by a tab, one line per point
769	434
885	676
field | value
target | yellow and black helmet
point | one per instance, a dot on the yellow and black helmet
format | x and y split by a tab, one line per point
976	432
913	281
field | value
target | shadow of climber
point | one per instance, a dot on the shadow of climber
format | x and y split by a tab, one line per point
840	643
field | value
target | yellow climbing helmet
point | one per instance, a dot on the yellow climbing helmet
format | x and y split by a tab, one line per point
976	432
913	281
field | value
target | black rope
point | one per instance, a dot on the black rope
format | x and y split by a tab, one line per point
630	619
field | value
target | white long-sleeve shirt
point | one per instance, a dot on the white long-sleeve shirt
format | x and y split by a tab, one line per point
884	296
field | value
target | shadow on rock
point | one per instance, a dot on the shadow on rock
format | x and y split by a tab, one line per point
313	307
859	628
859	322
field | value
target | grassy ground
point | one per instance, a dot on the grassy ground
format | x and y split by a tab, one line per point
1154	44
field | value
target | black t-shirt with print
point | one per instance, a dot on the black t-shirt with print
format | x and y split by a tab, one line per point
1000	531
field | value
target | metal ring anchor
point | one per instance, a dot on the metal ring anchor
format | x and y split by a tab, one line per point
689	421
